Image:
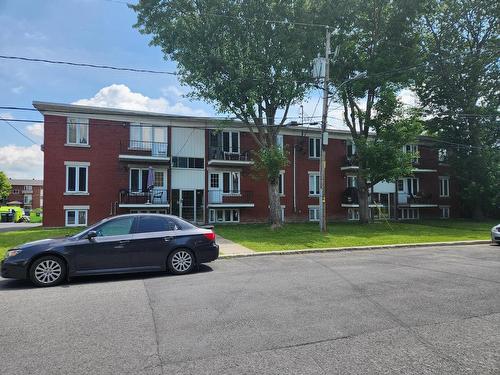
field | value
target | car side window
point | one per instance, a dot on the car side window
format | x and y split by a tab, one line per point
156	224
116	227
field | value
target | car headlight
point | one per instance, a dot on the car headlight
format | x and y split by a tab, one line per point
13	252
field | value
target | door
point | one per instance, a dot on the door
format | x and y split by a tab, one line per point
187	205
109	251
154	238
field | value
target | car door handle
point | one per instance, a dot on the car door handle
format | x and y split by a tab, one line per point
121	244
168	238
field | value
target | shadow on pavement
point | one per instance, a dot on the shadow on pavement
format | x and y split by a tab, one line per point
12	284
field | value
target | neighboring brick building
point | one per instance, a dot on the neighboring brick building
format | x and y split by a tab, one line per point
28	192
97	160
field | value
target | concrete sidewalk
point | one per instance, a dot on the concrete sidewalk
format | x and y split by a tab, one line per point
227	247
11	227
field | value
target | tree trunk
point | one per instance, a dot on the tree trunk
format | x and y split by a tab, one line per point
274	205
364	209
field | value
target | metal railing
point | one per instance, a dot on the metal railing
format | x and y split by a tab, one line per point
350	161
143	148
218	153
229	196
155	196
420	198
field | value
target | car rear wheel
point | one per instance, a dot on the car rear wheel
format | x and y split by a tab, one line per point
47	271
181	261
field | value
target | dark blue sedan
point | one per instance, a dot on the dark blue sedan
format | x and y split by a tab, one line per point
120	244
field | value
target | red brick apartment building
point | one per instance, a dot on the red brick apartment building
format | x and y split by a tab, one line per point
29	193
97	162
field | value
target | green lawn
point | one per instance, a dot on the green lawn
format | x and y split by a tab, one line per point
10	239
260	237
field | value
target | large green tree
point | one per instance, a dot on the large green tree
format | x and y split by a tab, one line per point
5	186
245	66
459	86
376	41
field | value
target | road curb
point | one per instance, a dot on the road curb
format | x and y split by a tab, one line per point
354	248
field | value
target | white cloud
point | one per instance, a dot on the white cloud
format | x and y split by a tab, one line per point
6	116
120	96
408	98
174	91
36	130
21	162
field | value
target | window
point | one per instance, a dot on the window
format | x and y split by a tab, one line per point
314	148
76	178
231	142
16	191
313	183
28	188
281	183
231	182
77	131
409	213
279	141
350	148
352	181
28	199
142	136
445	212
413	149
115	227
214	180
224	215
76	218
442	155
444	186
139	179
149	224
186	162
409	185
313	213
352	214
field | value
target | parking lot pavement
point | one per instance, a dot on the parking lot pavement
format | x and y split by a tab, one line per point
401	311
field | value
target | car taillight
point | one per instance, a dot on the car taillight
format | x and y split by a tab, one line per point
210	236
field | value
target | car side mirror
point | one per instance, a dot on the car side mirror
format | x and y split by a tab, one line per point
91	235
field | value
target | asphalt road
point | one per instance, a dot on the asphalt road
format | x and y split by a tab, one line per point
403	311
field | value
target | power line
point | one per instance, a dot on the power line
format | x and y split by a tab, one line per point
86	65
17	130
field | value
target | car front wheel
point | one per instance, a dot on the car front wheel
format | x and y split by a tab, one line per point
47	271
181	261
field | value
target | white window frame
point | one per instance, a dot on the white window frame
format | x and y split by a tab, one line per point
79	123
405	213
316	182
281	177
353	148
30	201
352	214
77	165
230	146
212	215
164	171
444	181
221	182
354	180
315	151
315	211
280	141
152	137
444	212
442	155
412	148
77	210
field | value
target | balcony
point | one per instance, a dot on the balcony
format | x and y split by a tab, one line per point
156	198
144	151
350	198
415	201
217	156
230	199
350	163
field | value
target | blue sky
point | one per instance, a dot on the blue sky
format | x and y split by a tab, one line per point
87	31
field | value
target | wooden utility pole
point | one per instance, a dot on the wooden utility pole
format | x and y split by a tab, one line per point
324	138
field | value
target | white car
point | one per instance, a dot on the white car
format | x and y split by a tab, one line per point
495	234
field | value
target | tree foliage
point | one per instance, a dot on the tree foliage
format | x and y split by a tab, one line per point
376	41
5	186
233	59
460	83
